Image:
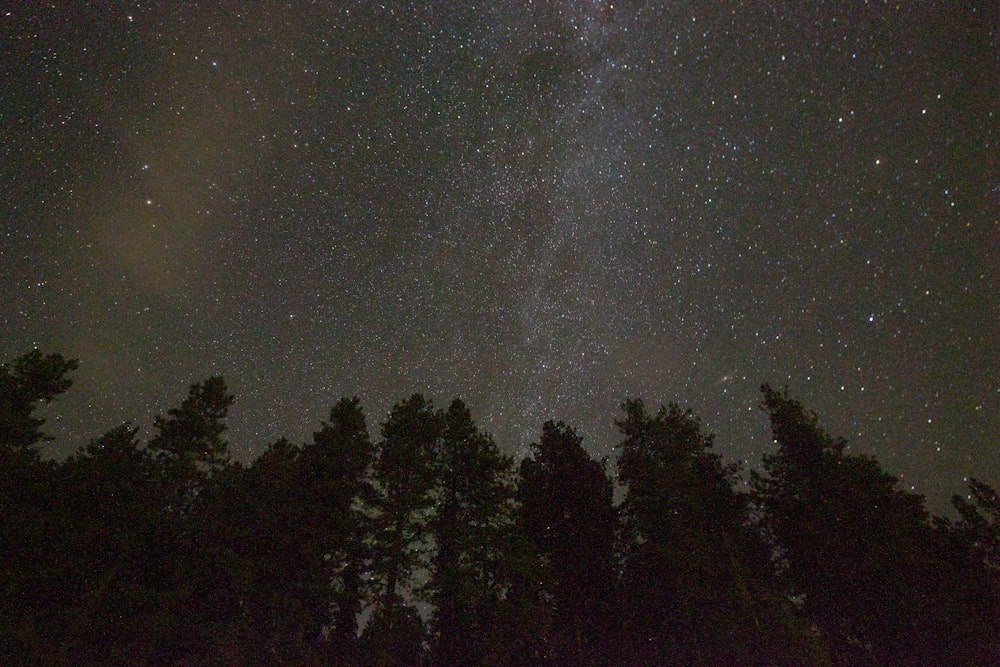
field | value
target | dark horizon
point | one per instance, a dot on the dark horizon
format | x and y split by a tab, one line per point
429	546
57	450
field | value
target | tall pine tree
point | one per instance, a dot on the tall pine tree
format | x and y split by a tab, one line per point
474	509
569	520
850	542
405	479
696	575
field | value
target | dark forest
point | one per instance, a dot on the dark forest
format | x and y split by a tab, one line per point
426	545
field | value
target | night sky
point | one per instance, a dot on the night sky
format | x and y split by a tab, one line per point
542	208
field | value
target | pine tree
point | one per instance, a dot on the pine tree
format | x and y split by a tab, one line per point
849	540
193	585
568	518
337	469
696	575
33	522
33	379
405	479
110	494
475	496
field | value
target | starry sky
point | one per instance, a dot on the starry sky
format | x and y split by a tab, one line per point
540	207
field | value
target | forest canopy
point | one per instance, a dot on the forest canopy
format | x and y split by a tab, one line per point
426	545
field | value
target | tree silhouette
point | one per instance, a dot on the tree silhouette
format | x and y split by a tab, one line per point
190	437
394	637
405	477
188	566
34	581
568	518
696	576
258	560
337	467
851	542
289	546
475	497
980	521
967	581
112	499
31	380
172	554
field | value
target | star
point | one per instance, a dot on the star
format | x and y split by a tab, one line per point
543	210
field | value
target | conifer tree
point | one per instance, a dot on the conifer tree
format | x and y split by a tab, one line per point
474	496
31	380
850	542
696	582
405	479
568	518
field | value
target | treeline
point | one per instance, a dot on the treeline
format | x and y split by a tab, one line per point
428	546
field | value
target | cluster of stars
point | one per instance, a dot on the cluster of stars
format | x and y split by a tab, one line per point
543	210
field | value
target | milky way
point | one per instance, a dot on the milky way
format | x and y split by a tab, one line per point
542	208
